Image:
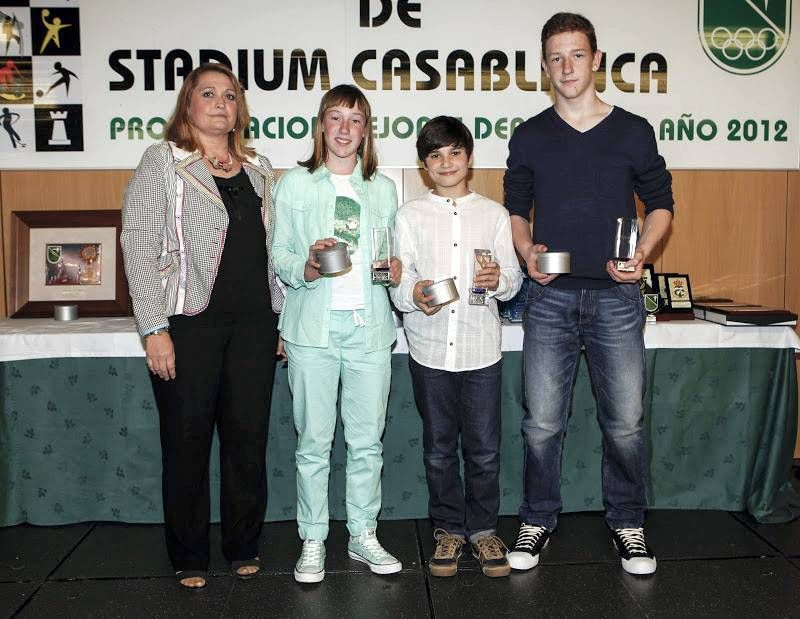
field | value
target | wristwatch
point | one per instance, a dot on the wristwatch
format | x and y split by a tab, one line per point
157	331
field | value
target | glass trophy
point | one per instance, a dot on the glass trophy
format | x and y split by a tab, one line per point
382	250
626	236
477	295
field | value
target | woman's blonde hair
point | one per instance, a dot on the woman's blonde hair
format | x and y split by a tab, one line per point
346	95
179	128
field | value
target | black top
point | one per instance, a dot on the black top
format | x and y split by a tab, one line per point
579	183
241	283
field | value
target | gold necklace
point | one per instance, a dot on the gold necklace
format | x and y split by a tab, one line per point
225	166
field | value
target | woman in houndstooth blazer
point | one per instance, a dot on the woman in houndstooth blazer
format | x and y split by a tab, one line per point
196	237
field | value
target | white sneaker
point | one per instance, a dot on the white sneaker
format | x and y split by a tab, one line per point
530	541
637	558
311	564
367	549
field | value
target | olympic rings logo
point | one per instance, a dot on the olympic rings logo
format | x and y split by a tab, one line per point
744	41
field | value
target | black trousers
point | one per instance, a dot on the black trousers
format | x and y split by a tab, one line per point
224	373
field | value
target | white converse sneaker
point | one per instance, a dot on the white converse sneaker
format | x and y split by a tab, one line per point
530	541
637	558
367	549
311	564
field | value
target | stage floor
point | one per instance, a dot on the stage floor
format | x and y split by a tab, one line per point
711	563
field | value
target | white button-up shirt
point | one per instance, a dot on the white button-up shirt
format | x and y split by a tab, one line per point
436	238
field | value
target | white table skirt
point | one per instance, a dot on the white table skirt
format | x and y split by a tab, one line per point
44	338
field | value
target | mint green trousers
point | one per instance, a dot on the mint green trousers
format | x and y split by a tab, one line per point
314	378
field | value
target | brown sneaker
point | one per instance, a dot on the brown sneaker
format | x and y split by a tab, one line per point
490	551
444	561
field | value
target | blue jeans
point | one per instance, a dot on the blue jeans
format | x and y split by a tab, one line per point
608	323
466	404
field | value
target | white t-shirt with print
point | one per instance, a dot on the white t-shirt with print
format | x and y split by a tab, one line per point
347	289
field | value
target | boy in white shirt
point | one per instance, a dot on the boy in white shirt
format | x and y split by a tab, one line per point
454	349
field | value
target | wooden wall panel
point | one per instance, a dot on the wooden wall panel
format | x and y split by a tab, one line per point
56	190
415	183
729	234
733	232
488	183
792	298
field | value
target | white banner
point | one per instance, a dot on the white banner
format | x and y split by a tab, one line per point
90	84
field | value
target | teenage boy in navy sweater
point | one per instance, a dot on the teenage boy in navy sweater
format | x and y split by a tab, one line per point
579	163
455	349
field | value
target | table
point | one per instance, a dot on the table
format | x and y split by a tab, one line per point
79	429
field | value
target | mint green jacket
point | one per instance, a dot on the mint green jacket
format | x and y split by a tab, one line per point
305	204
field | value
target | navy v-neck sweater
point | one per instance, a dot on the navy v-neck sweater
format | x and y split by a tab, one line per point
579	183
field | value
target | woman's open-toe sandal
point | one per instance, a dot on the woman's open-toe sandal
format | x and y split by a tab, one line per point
236	566
184	575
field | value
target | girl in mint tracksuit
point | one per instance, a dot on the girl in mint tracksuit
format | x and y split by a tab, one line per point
337	329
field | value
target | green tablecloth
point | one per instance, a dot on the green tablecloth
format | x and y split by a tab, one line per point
79	440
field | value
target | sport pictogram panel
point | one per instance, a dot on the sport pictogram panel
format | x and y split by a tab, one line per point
40	76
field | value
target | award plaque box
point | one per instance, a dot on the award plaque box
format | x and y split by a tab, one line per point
676	295
743	315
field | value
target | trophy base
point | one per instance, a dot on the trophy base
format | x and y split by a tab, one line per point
381	276
477	297
620	266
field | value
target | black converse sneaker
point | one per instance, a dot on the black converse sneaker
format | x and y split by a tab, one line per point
530	541
637	558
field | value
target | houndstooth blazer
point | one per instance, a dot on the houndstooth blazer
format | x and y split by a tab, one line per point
173	231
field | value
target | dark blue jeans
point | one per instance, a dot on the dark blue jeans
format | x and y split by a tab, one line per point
608	323
465	404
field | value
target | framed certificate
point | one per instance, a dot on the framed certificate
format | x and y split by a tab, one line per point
67	257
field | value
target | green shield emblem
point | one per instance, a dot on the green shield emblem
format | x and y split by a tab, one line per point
651	303
53	253
744	36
